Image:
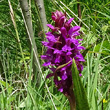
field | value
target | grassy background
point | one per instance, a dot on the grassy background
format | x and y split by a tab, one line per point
19	91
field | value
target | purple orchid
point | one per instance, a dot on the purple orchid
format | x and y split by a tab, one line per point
62	47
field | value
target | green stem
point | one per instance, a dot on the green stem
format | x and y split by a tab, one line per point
21	51
17	35
71	99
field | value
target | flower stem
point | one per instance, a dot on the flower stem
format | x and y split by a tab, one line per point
71	99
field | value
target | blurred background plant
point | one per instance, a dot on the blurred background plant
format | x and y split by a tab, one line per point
18	87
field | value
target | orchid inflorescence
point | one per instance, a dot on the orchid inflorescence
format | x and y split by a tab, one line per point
62	47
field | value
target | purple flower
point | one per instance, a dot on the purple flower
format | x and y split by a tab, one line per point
62	47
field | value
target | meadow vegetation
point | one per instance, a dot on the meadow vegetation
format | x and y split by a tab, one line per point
24	86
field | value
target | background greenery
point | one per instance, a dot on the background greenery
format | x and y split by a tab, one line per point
19	91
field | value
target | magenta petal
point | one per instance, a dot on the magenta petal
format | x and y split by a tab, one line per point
61	89
57	14
70	20
69	53
81	67
80	57
44	43
49	47
75	34
64	77
66	48
64	32
51	26
47	64
57	60
51	38
74	29
45	57
80	39
81	47
63	69
53	18
61	21
74	41
68	41
57	51
80	74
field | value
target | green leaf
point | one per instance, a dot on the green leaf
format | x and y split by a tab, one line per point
7	85
105	47
79	92
104	28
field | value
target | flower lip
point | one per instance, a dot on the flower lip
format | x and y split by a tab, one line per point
50	37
